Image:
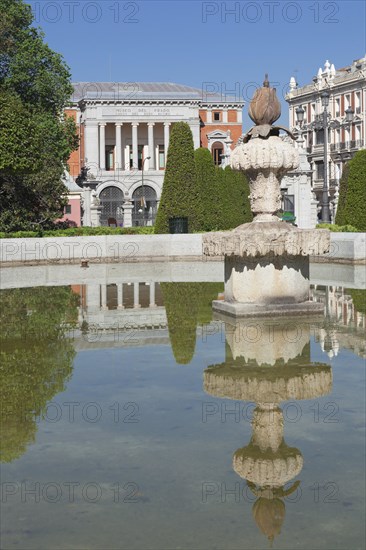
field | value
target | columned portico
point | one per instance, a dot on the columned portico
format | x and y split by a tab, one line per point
150	127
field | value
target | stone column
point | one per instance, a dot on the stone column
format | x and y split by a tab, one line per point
86	204
118	161
136	295
127	158
103	289
95	210
209	116
225	116
127	207
102	126
135	149
152	295
196	132
91	146
120	296
150	129
166	140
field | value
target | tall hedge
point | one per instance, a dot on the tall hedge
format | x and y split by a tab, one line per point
233	197
206	210
179	191
339	220
355	203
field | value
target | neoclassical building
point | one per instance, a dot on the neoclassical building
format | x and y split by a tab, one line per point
124	131
346	88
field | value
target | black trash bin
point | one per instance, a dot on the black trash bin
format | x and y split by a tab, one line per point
178	225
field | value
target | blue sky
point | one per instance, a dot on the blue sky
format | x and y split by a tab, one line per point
227	44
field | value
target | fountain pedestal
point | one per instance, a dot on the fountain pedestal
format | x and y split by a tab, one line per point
266	268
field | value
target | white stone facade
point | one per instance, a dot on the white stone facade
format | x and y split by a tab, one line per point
125	135
347	90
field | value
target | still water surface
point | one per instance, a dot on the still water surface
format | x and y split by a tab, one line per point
160	427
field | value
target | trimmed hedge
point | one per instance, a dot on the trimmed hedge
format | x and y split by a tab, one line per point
233	198
352	194
79	232
179	194
338	228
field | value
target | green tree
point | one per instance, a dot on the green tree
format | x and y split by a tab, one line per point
35	138
355	192
339	220
206	209
35	360
233	197
179	193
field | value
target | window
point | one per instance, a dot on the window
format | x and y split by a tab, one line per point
319	137
337	107
313	111
289	203
217	152
161	157
358	102
319	166
109	158
347	102
68	209
217	116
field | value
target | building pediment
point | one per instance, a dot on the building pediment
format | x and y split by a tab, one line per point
217	134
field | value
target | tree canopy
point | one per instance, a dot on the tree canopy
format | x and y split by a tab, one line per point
352	195
36	139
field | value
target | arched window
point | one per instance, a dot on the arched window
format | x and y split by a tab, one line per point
144	206
217	150
111	200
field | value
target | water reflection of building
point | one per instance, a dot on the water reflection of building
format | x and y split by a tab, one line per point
345	325
267	463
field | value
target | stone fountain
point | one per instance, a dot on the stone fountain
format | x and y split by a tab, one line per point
267	260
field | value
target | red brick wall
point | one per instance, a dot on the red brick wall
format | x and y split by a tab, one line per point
74	160
232	116
235	129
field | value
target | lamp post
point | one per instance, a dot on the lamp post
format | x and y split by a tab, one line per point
143	190
325	195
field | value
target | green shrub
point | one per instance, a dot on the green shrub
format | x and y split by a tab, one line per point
352	195
80	232
233	198
206	210
179	192
337	228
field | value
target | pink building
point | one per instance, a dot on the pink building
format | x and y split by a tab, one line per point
72	212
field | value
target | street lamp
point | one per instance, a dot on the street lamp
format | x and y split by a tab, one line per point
325	196
143	190
349	115
300	112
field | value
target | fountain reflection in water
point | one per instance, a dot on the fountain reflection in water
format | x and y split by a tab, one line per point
268	362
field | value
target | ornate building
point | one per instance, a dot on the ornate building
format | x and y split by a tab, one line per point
124	131
346	119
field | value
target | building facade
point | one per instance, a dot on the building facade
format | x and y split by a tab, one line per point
124	131
346	134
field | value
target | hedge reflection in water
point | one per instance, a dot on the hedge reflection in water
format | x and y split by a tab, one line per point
36	359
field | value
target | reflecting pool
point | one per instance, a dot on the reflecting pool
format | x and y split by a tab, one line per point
132	418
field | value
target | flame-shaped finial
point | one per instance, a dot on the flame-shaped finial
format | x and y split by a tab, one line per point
265	107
